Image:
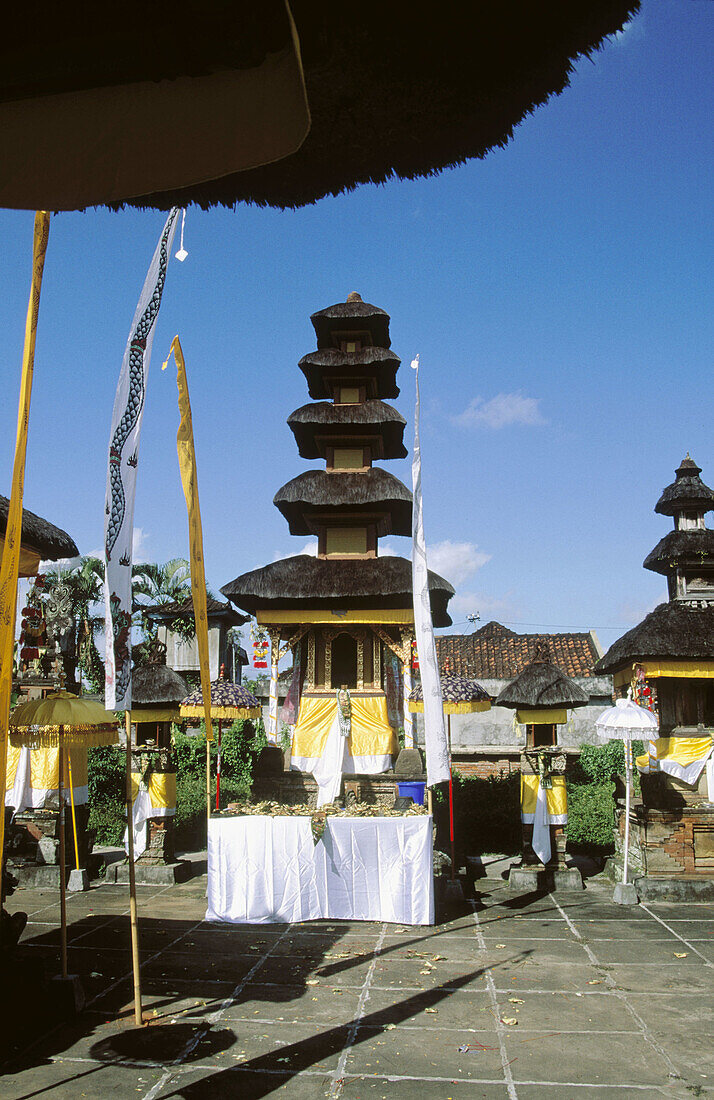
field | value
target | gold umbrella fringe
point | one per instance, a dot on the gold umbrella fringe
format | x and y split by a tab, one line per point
48	737
222	712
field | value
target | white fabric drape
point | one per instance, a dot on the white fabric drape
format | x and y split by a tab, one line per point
264	870
408	716
437	751
143	810
541	828
272	731
121	475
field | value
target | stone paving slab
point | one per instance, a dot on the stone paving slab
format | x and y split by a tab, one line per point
603	1006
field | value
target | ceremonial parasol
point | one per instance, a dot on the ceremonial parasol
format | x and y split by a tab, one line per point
460	696
227	701
62	720
625	722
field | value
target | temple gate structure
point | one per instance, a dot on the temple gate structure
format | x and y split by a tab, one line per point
345	613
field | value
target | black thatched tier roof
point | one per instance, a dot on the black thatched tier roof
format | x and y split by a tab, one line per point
542	686
153	684
49	541
315	425
673	630
163	612
373	367
354	315
686	491
304	581
394	89
373	492
694	547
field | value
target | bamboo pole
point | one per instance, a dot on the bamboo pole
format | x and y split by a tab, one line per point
133	921
74	814
208	787
63	895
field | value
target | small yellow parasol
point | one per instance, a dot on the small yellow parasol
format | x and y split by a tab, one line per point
61	720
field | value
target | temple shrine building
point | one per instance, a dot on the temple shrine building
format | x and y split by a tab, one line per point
345	613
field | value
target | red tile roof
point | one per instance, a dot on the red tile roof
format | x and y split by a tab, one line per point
496	653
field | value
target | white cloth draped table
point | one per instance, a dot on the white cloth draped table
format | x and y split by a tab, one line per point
268	870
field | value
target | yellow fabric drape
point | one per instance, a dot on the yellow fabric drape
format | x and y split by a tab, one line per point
371	734
677	750
556	797
553	717
189	480
13	533
161	787
699	669
454	708
156	714
44	768
29	560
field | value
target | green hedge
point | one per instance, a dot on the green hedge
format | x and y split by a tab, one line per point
240	745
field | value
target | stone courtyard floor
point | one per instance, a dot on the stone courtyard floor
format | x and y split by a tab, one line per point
509	996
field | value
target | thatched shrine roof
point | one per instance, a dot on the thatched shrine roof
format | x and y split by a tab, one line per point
693	547
374	493
672	630
394	89
542	686
354	315
686	491
374	367
304	581
316	425
153	684
183	609
49	541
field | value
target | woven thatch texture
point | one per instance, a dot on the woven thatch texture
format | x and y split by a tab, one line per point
372	491
50	541
686	491
542	685
672	630
157	684
365	419
303	581
375	368
184	610
394	89
693	547
354	314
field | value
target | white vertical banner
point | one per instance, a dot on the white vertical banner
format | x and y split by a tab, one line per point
437	751
121	475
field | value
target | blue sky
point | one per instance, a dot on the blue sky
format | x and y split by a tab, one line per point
559	296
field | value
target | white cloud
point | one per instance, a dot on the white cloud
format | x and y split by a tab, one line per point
455	561
501	411
138	545
310	548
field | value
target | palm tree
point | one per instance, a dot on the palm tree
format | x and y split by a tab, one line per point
154	584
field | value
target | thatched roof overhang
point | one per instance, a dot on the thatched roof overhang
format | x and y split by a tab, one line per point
318	496
307	582
672	630
542	686
50	542
154	684
354	315
688	491
374	368
482	68
217	610
693	547
315	426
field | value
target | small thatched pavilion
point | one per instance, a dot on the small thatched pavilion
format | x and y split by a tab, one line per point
347	613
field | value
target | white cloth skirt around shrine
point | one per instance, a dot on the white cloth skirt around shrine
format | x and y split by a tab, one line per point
268	870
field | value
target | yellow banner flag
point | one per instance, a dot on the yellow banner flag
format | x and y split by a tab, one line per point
189	480
13	534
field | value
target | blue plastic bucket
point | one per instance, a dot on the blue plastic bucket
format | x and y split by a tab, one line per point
412	790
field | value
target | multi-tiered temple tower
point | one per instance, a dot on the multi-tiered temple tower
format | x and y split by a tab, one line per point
346	612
